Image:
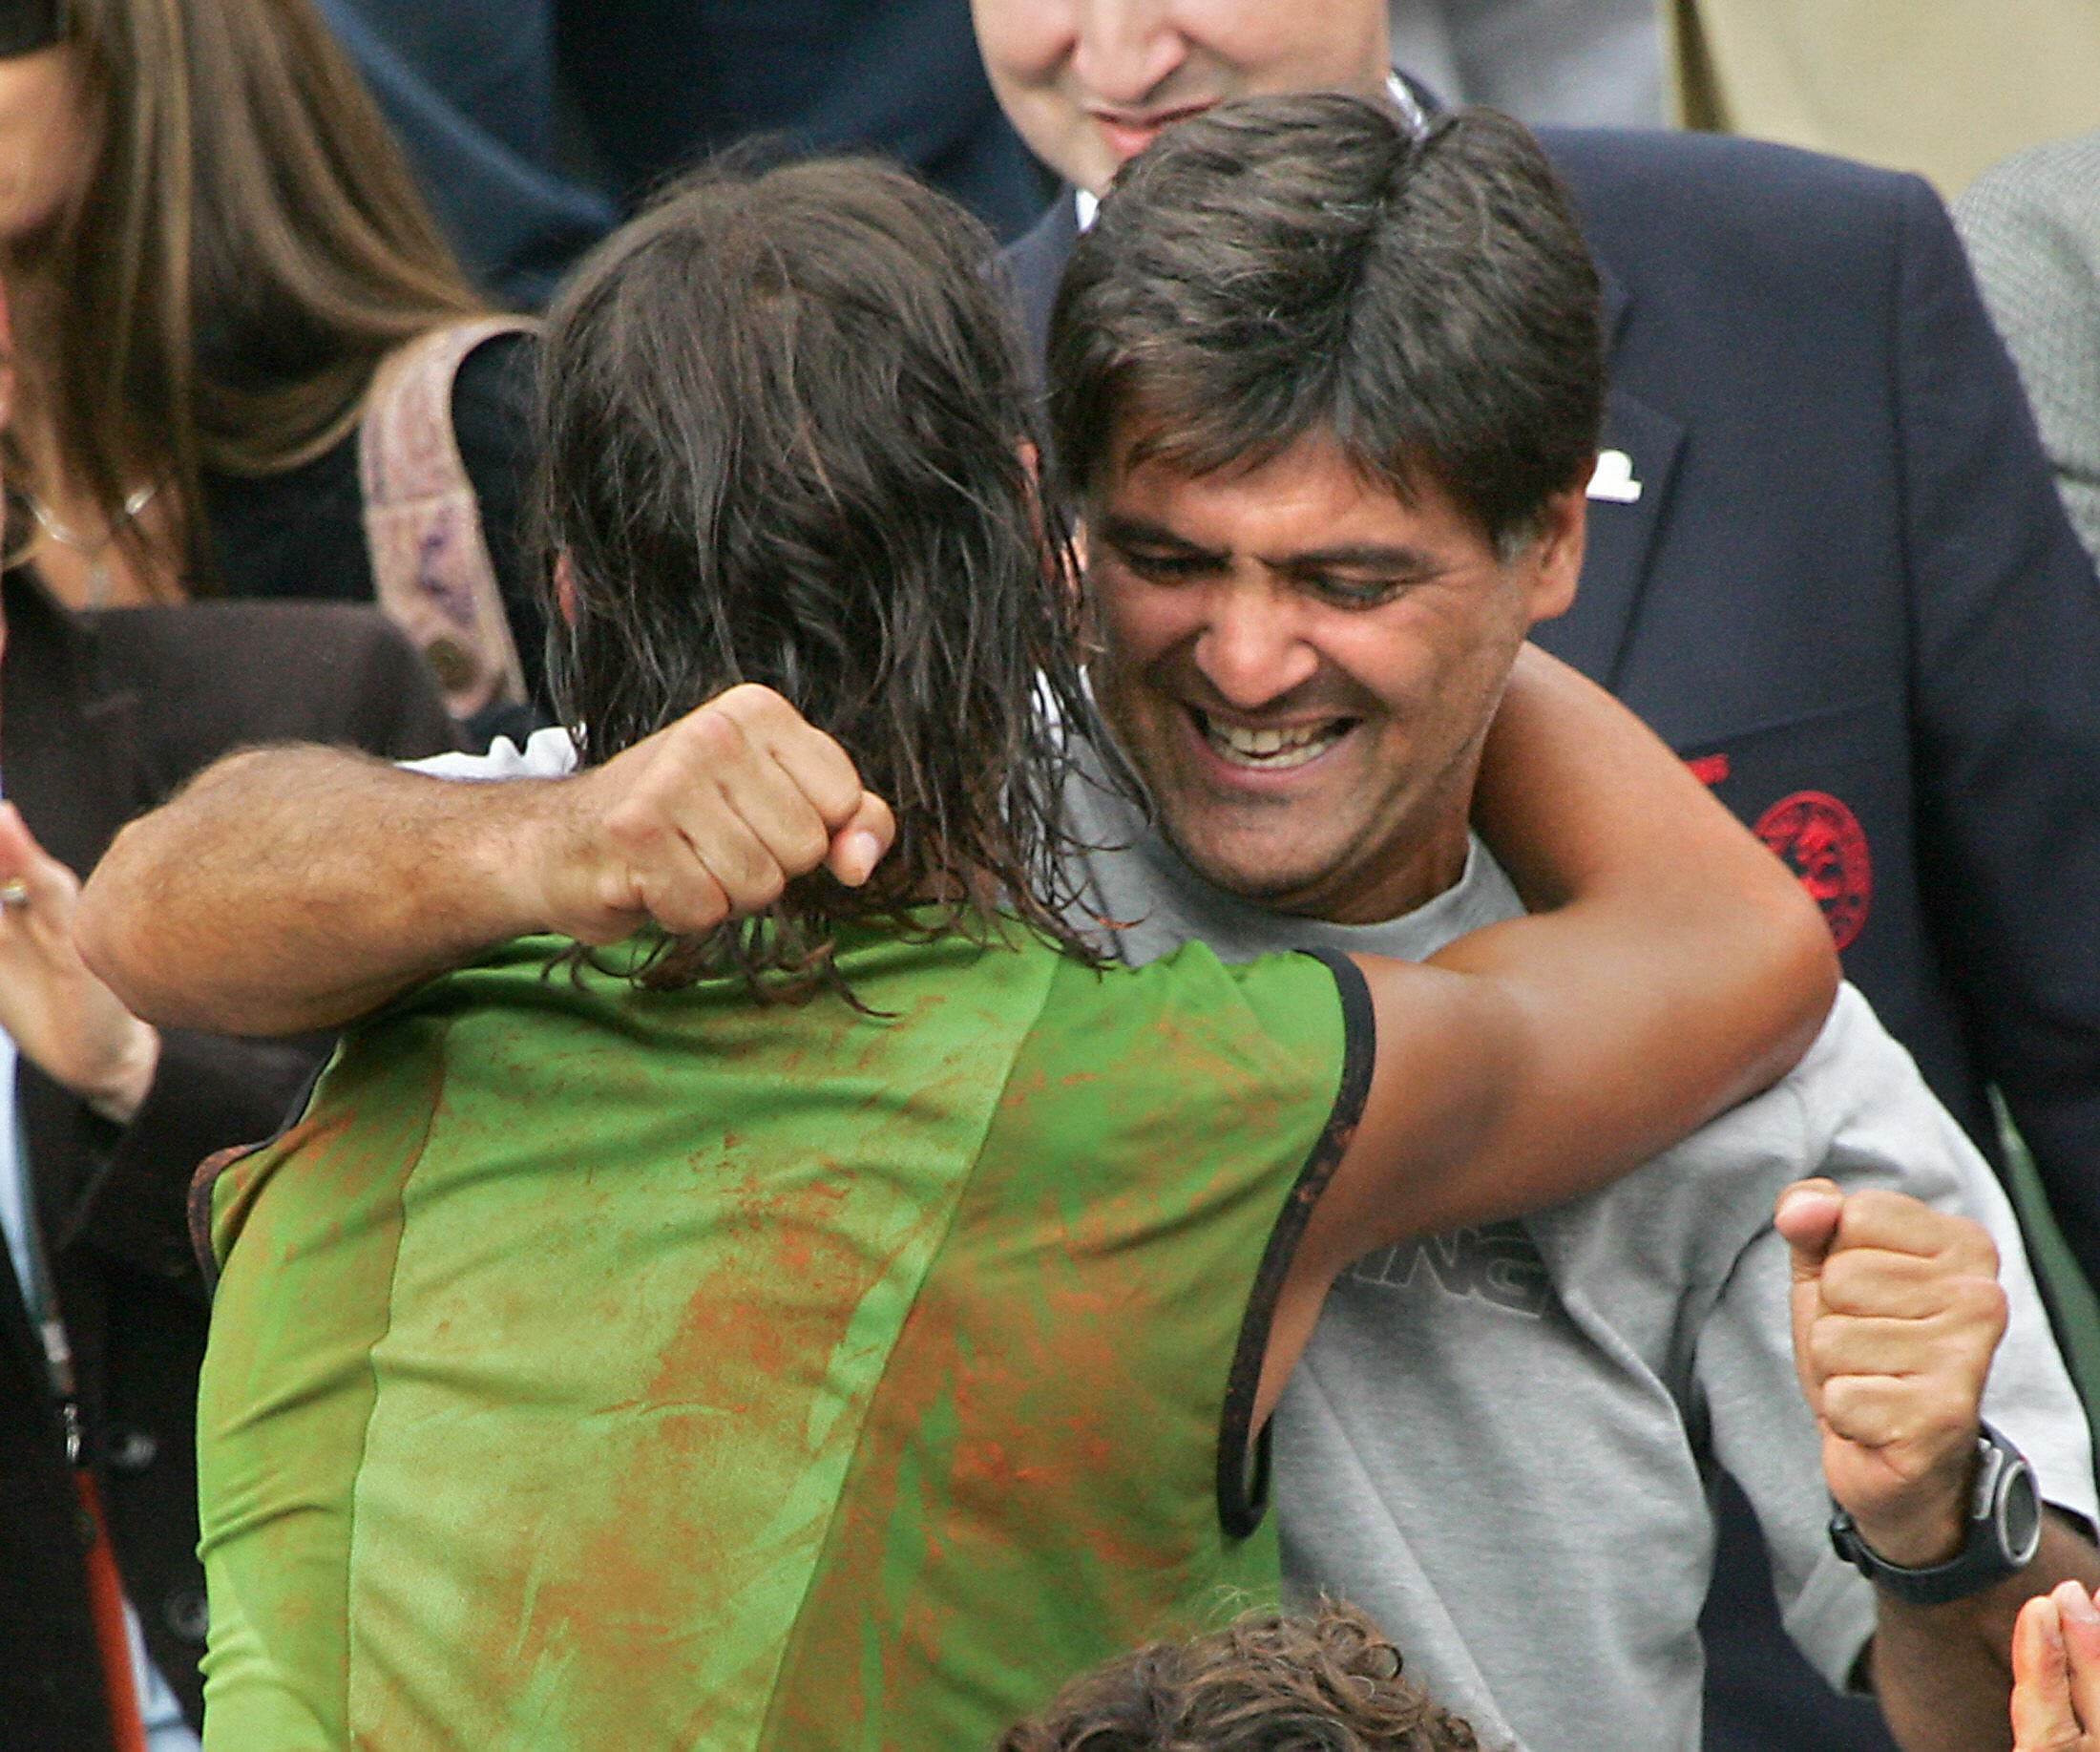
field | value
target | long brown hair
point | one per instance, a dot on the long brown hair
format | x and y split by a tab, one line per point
787	440
248	245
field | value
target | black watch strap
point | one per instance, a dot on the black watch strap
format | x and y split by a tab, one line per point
2003	1532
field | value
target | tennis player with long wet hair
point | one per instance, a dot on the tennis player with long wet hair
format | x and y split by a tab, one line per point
841	1325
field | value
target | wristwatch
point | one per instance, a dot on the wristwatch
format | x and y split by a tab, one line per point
2005	1530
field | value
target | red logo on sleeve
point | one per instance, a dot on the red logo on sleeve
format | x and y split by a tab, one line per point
1822	842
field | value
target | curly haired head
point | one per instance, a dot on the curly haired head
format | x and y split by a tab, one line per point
1328	1681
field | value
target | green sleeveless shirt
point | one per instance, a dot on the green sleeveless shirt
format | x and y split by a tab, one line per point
608	1369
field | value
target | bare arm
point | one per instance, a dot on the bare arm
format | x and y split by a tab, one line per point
291	889
1680	969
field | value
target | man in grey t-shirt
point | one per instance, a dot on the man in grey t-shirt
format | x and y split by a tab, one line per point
1500	1441
1325	401
1327	394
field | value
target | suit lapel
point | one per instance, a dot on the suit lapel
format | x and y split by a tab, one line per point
1592	634
1032	263
1637	455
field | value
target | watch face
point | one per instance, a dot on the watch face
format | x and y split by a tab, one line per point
2020	1514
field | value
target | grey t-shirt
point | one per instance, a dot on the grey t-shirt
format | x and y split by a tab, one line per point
1500	1441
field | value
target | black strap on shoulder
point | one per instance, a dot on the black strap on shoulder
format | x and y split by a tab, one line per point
1243	1467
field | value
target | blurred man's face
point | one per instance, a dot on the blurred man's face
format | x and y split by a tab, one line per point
1302	667
1088	83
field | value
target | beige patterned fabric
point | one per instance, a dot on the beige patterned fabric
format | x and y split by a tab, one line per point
1941	87
2032	228
431	566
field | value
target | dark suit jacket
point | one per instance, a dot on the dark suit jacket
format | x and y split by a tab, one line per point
662	84
100	719
1847	591
470	88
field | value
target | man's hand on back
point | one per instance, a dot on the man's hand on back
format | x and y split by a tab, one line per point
708	819
1896	1313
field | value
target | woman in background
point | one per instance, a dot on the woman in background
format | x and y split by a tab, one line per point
211	247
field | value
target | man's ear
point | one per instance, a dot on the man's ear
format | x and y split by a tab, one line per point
6	360
1557	556
565	588
7	397
1071	576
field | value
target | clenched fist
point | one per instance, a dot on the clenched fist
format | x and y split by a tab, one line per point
708	819
1896	1315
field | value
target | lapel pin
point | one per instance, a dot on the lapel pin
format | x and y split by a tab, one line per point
1614	479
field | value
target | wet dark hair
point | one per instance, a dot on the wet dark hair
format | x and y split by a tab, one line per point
787	441
1285	265
1328	1681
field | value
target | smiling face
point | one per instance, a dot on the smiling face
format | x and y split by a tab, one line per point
1301	668
1088	83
